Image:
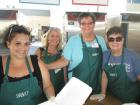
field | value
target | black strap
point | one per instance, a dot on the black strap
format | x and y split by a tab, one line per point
1	68
37	71
1	71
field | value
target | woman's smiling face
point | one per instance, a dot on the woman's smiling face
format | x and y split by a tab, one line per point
115	42
19	45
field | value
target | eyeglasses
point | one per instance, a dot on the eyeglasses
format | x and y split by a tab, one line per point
83	24
117	39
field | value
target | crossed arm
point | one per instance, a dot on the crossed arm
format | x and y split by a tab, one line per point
139	78
60	63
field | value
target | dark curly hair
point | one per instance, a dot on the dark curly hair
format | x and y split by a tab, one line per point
11	32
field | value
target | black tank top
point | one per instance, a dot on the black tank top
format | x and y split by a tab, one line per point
36	72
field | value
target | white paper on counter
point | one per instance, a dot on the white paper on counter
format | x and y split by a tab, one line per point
48	103
75	92
130	104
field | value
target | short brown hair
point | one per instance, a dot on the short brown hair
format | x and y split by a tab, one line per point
86	14
114	30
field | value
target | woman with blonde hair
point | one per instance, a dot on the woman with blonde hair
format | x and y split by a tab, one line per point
46	35
50	53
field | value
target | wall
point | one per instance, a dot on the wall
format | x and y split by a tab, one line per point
58	11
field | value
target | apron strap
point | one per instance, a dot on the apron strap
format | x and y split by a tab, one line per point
122	59
7	68
97	40
108	58
29	68
84	44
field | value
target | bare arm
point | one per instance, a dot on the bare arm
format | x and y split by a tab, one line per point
47	85
139	78
60	63
104	82
38	53
65	74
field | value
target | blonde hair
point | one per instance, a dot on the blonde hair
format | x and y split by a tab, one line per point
52	29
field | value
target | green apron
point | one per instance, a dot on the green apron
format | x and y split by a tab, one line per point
119	84
90	69
57	77
22	92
